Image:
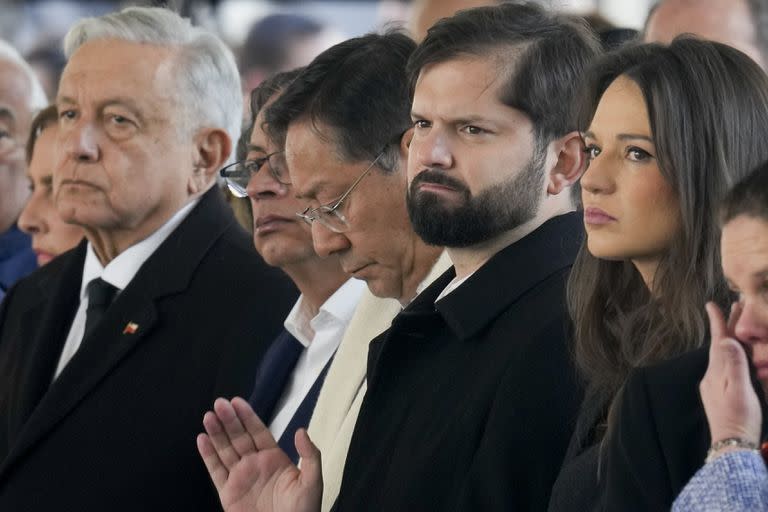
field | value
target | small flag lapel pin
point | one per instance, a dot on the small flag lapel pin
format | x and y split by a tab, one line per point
131	328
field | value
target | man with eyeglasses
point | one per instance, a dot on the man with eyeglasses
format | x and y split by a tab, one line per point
21	94
347	158
472	396
289	377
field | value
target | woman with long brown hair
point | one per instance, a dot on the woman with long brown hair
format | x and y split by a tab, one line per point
668	131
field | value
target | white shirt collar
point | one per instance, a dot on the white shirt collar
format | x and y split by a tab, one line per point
124	267
338	308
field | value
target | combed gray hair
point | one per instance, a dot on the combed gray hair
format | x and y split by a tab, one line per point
36	94
208	79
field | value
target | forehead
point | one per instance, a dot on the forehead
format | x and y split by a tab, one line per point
258	135
313	160
462	88
104	69
45	147
744	246
621	109
14	93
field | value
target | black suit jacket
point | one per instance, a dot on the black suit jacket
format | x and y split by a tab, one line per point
116	430
577	488
662	435
471	401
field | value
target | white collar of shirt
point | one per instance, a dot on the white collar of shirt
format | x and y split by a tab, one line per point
453	285
338	308
118	273
327	329
124	267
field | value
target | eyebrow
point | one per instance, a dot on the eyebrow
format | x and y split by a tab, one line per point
120	101
622	136
468	119
254	147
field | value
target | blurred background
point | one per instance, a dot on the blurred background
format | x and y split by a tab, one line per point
268	36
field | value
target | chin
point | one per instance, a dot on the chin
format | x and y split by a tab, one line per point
381	289
605	251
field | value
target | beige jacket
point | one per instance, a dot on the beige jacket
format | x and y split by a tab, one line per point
335	414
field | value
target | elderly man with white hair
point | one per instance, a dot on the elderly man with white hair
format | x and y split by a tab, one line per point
20	96
110	355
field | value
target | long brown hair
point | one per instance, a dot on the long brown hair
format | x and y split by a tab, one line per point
708	110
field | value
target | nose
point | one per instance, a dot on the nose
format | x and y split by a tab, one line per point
32	220
328	242
597	179
431	149
752	326
263	185
81	142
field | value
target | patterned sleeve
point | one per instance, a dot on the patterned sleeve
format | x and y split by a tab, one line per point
735	481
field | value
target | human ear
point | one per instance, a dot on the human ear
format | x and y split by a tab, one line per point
212	147
405	143
571	162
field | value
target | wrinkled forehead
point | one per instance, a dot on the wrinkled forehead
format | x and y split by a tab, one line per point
112	68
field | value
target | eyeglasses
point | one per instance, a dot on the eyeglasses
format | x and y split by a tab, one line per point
328	214
238	174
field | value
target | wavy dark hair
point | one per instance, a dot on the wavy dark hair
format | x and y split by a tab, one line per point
708	109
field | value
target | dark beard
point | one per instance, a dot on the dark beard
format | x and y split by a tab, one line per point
474	220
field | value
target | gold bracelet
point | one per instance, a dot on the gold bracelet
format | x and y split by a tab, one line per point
729	442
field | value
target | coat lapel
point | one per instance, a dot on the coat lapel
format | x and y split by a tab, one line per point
127	323
45	326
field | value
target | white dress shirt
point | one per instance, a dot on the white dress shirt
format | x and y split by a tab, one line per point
118	272
320	336
453	285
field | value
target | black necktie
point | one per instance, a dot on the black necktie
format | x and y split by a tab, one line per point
100	296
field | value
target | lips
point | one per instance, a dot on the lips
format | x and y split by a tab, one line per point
43	257
270	223
596	216
434	187
354	270
78	183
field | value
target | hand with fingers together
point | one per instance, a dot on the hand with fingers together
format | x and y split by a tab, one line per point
250	471
730	402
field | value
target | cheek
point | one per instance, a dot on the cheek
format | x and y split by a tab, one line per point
654	208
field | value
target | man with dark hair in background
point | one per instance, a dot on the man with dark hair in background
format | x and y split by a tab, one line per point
346	160
471	394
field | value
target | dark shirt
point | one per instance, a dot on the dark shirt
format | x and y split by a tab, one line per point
16	258
471	401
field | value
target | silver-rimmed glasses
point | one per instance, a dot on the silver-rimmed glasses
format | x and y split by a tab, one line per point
329	215
238	174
